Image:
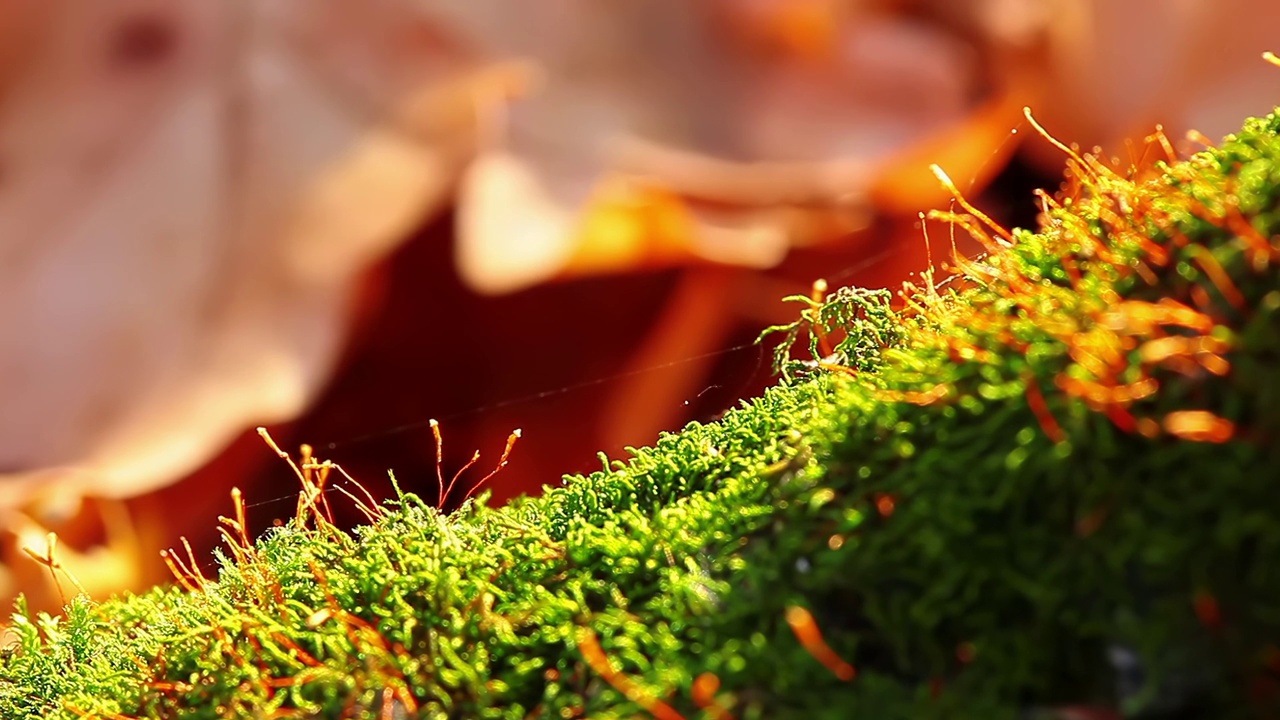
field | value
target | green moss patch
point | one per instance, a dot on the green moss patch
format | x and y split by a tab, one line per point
989	502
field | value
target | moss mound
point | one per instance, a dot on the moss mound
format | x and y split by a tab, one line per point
1051	484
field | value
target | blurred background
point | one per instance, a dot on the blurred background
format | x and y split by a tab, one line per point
572	217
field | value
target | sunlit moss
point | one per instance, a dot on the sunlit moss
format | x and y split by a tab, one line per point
966	508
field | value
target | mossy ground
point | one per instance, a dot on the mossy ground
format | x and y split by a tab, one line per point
969	507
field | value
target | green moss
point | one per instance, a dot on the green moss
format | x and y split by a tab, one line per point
976	501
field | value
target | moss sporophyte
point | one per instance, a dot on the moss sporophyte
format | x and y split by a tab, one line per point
1047	482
